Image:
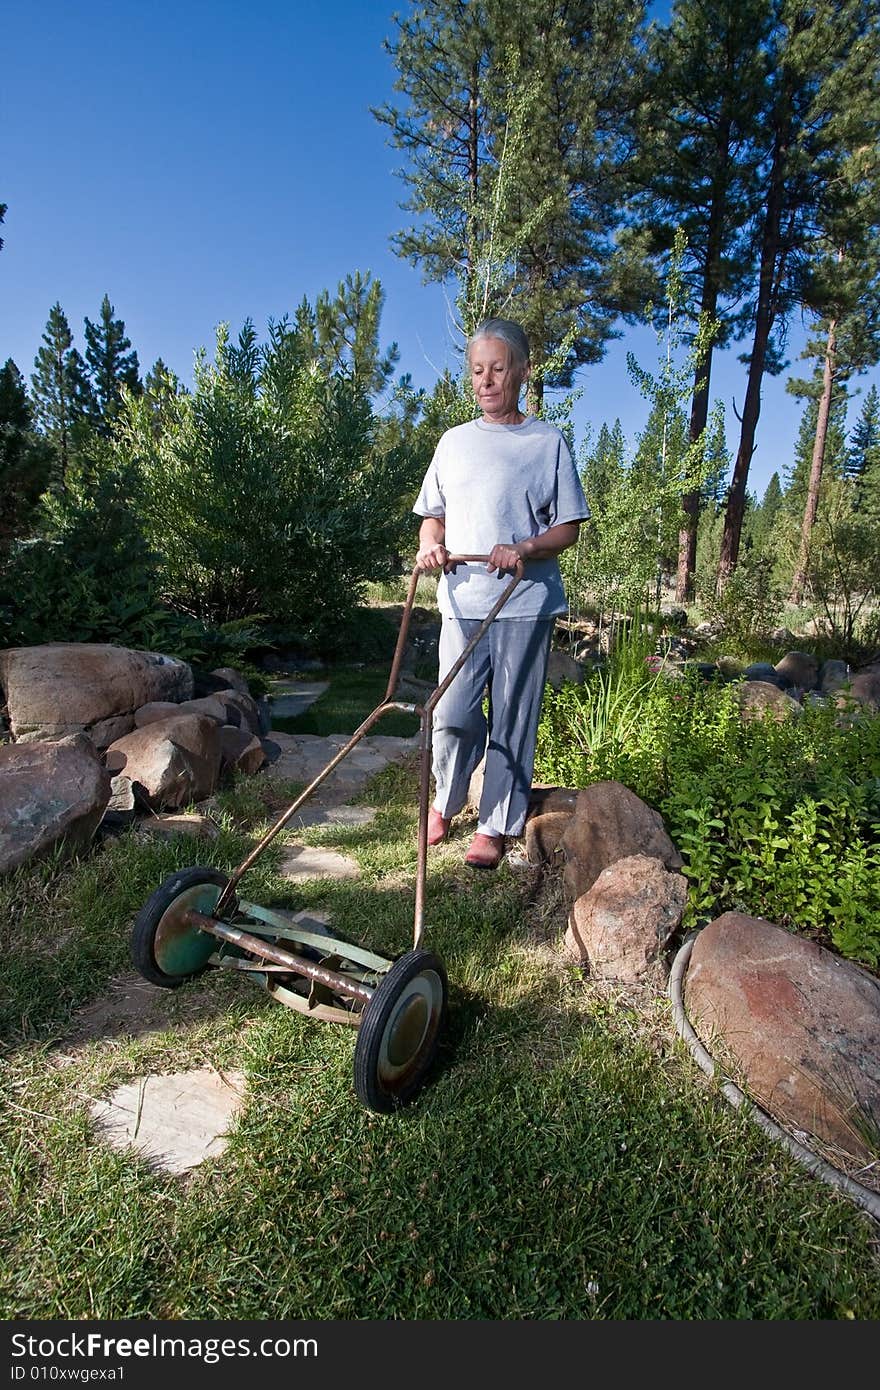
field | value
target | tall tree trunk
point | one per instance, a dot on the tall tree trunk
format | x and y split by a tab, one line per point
798	583
772	265
690	501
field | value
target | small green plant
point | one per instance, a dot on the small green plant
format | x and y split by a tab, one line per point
778	820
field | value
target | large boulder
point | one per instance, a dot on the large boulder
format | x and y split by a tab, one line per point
800	1026
72	687
171	761
622	924
49	791
610	822
759	698
240	751
800	669
864	688
833	675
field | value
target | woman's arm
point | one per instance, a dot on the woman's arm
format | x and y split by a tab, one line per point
432	551
544	547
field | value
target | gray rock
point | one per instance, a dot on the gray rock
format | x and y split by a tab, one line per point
69	687
768	674
833	675
172	761
622	924
240	751
49	791
562	668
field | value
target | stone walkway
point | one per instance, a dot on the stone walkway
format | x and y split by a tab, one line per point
176	1122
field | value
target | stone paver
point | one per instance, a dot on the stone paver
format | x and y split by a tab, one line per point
306	861
176	1121
304	756
290	698
314	814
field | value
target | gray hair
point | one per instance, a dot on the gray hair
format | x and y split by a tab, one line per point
509	332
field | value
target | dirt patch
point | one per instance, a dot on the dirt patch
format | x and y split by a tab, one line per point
133	1008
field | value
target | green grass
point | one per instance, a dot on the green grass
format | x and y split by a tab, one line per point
353	693
566	1160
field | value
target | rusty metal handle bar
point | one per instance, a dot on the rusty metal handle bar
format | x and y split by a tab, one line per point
387	704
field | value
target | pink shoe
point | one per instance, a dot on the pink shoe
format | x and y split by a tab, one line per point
485	852
438	827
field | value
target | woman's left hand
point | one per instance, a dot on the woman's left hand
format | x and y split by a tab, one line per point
503	557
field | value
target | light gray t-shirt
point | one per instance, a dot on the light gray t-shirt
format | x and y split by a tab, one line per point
496	485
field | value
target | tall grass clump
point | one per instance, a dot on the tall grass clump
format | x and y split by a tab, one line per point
777	819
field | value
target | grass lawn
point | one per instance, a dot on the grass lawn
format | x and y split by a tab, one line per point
566	1160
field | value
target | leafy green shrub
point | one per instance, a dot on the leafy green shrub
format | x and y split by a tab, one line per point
749	605
89	574
779	820
267	491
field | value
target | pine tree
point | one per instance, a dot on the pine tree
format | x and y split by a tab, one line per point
695	170
3	207
604	466
766	515
25	458
819	109
111	365
863	455
347	332
60	390
514	135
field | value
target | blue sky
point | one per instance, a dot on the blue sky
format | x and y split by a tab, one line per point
204	161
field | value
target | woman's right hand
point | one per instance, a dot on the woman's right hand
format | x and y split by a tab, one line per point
432	557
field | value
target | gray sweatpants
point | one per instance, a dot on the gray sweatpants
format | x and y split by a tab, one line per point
511	659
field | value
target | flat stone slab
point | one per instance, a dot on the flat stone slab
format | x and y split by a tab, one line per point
304	861
315	814
185	823
290	698
173	1121
304	756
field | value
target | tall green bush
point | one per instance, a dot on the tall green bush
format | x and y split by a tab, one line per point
266	490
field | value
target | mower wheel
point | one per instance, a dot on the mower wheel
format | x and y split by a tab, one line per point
398	1035
166	949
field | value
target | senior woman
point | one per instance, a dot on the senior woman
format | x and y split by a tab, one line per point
503	485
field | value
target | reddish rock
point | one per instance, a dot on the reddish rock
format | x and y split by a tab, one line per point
171	761
247	707
107	731
241	751
623	923
155	710
865	688
69	687
49	791
214	706
800	1026
609	823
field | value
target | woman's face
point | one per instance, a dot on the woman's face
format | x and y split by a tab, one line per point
496	380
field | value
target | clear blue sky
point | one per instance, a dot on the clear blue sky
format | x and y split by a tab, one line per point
205	161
